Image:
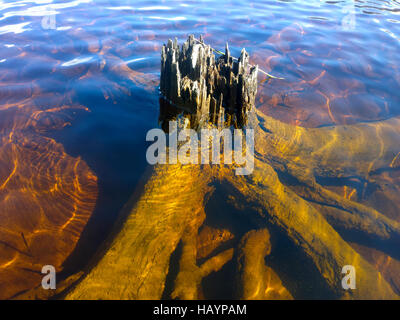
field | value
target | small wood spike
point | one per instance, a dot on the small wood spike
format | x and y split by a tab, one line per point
212	89
227	53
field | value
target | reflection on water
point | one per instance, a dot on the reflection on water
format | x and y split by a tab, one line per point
78	92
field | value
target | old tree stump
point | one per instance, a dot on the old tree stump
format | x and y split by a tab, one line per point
166	245
221	91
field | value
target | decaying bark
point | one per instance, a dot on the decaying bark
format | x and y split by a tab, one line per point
221	91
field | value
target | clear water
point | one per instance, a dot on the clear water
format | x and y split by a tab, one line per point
93	66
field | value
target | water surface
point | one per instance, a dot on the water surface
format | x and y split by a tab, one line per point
78	93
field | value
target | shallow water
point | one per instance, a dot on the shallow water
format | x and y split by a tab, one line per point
78	93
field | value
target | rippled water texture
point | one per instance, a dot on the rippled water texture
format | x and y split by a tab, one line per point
78	92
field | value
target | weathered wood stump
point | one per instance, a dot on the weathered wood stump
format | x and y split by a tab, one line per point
221	91
306	231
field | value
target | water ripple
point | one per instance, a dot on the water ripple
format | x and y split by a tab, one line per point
340	61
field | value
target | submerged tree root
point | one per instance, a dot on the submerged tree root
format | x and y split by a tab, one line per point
256	281
171	209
